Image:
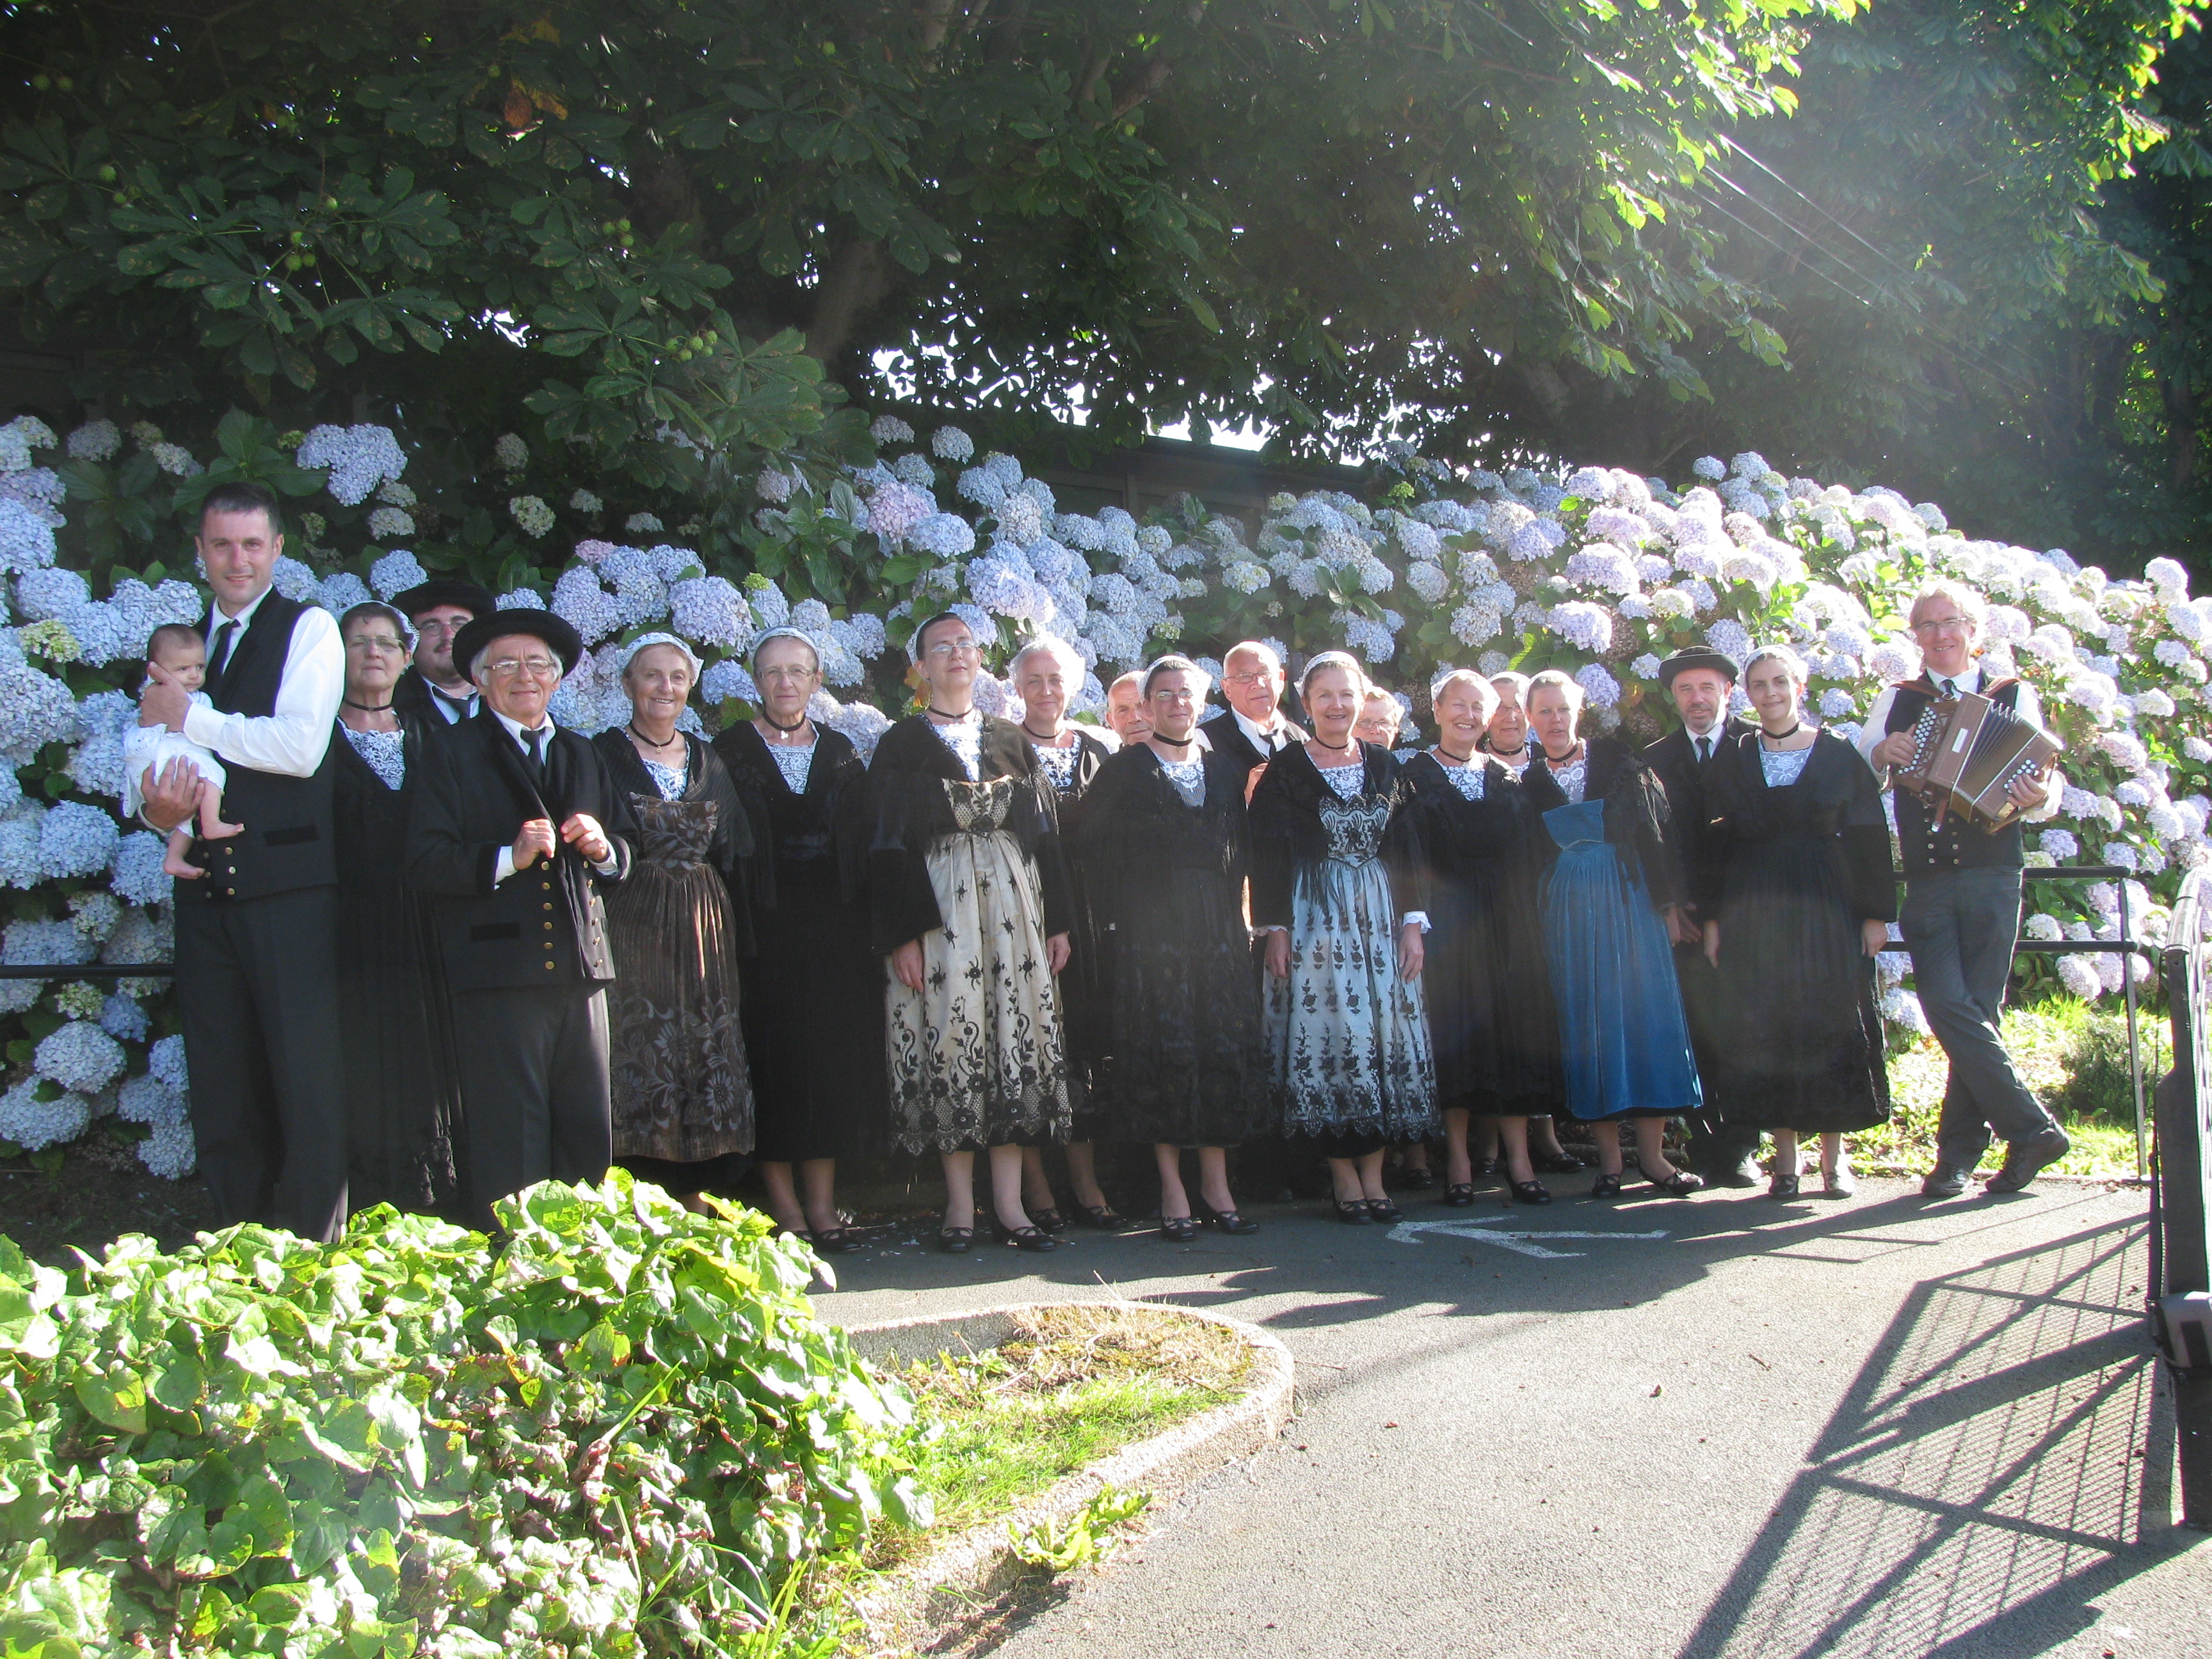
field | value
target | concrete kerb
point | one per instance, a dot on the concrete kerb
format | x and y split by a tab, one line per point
954	1580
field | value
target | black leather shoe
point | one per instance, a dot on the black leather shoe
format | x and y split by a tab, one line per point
1560	1162
1679	1183
1605	1185
1178	1229
1531	1192
1944	1181
1489	1169
1049	1220
1783	1186
1459	1197
1352	1212
1417	1179
1383	1210
1024	1238
836	1241
956	1241
1228	1221
1104	1216
2026	1158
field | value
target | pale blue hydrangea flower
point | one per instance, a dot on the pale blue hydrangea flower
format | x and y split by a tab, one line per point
340	593
1645	667
949	443
388	524
889	429
166	1060
359	457
395	573
46	593
709	610
35	709
35	1124
170	1151
1598	684
296	581
76	840
509	453
95	440
727	679
81	1056
531	514
944	536
121	1017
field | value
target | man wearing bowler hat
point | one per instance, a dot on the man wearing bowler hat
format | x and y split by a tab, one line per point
438	610
515	827
1701	682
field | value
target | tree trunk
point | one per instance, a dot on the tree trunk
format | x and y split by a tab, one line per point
855	281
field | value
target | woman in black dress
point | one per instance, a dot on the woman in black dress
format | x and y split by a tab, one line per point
683	1094
1047	674
1336	885
1489	1019
813	1010
1164	849
403	1106
1798	882
969	897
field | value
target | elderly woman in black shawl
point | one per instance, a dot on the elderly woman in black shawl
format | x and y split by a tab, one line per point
970	896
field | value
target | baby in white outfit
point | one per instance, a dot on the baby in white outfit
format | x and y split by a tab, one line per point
183	653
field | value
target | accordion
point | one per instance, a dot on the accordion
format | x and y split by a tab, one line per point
1967	753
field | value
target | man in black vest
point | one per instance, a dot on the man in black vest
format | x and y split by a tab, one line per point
438	610
1701	681
1252	730
256	972
514	827
1962	904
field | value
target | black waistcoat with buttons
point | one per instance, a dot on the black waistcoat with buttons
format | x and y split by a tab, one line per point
287	844
1954	844
545	926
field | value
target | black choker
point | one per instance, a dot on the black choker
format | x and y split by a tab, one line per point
1567	759
649	743
1334	748
795	725
1467	759
1053	739
942	715
1783	737
369	707
1175	742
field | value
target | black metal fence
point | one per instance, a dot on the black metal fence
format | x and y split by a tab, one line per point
2181	1251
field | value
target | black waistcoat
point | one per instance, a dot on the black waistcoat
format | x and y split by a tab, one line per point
1955	844
288	826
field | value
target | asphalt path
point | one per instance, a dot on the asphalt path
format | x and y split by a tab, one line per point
1724	1428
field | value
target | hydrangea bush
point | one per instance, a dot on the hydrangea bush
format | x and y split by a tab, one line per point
1595	571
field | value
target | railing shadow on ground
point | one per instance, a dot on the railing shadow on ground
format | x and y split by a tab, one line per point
2000	1461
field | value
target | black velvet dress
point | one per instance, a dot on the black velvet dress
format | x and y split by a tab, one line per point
402	1104
1073	772
814	991
1182	1061
1790	869
682	1089
1491	1016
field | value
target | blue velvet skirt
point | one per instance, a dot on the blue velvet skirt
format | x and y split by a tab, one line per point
1624	1043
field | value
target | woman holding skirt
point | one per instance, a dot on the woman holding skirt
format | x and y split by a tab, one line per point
969	897
1800	890
1164	848
682	1092
1610	909
1494	1032
1336	885
813	1010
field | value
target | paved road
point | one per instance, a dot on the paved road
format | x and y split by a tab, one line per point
1876	1429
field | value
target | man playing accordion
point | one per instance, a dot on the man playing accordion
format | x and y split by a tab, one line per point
1962	905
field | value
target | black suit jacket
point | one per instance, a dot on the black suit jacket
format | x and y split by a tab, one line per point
1226	738
1675	762
412	693
543	925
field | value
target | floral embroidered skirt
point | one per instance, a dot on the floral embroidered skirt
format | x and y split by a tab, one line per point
1347	1037
977	1057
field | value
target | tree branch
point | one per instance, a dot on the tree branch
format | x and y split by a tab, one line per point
1139	87
855	281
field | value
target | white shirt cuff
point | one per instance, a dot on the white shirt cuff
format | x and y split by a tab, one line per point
1419	918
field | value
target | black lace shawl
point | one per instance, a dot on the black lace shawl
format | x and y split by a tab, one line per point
1136	828
735	847
1835	800
1287	835
1638	822
906	786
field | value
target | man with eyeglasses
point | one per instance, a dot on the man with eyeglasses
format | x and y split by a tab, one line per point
1962	905
1253	729
257	970
438	610
515	827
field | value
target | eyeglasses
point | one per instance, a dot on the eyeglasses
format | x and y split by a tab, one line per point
539	668
432	625
797	675
1941	624
374	643
1256	678
947	648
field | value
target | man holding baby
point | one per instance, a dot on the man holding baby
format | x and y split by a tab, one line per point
256	973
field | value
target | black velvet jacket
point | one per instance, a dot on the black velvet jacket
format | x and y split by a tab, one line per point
735	848
912	809
1638	822
1287	834
1834	808
543	925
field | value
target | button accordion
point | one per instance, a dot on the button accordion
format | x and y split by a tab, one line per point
1967	753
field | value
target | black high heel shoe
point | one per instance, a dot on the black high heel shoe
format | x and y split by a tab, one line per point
1178	1229
1048	1218
1531	1192
835	1241
1458	1196
1384	1210
1558	1163
1228	1221
1352	1212
1675	1183
1418	1179
956	1241
1104	1216
1033	1238
1607	1186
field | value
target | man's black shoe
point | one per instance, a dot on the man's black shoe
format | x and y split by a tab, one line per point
2026	1158
1944	1181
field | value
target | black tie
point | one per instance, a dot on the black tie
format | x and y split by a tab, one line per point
1705	750
455	708
221	660
537	758
1950	688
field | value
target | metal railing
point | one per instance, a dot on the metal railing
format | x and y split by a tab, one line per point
2180	1282
2126	944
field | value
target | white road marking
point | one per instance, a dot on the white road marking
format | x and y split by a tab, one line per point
1521	1243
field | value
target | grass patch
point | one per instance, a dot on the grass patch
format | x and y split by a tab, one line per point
2073	1055
1074	1385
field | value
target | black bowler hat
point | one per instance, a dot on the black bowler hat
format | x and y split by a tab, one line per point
1701	656
563	641
439	590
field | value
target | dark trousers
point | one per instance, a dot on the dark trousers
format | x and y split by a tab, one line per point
533	1065
1960	925
1715	1145
256	987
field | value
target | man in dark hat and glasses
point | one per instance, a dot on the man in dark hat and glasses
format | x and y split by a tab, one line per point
1700	681
514	828
438	610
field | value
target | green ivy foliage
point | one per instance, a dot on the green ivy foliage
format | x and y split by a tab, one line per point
614	1431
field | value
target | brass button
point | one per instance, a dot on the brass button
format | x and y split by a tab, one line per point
547	905
231	892
549	926
548	967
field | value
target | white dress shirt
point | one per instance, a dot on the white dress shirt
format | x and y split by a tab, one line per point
504	866
1710	736
291	741
1266	741
2027	705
